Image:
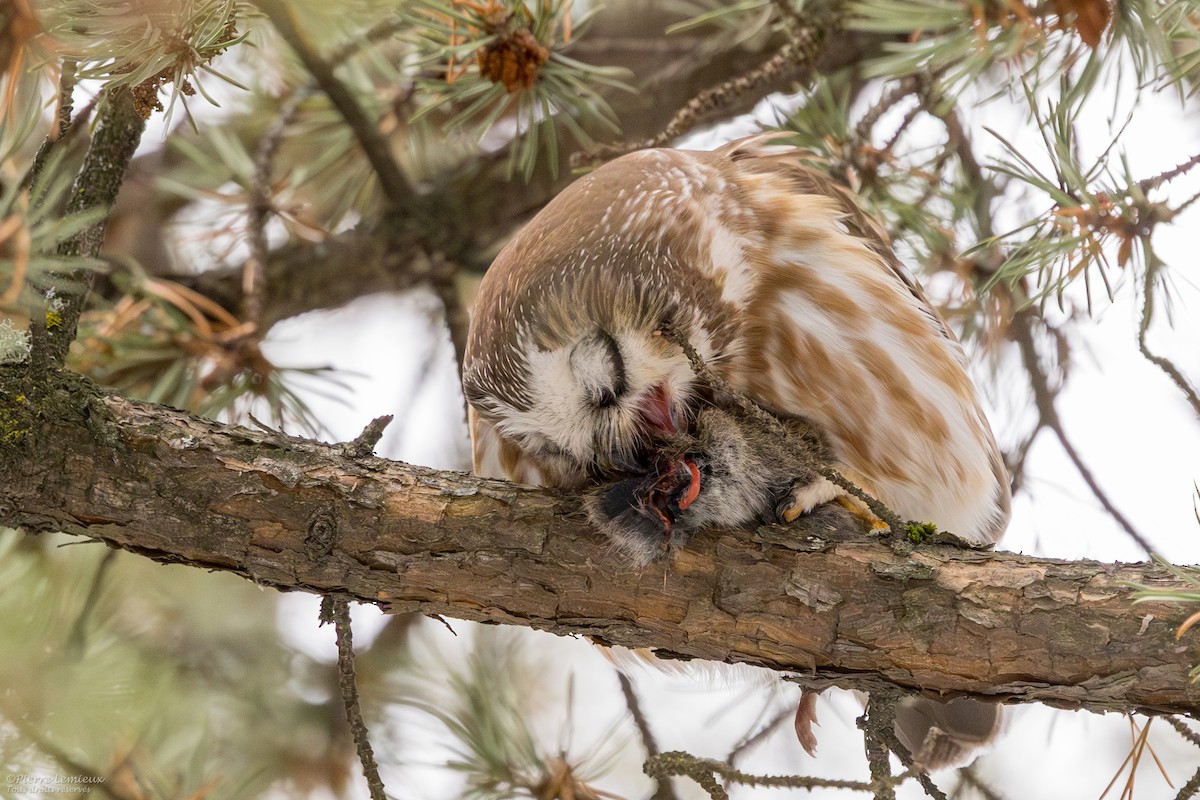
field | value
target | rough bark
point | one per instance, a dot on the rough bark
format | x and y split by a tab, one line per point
818	600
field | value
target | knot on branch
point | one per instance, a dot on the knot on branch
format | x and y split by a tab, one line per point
322	532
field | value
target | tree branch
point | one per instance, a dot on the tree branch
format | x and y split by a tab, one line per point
1021	331
461	217
118	132
392	181
816	599
795	58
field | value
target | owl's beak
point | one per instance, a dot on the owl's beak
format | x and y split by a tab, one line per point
659	412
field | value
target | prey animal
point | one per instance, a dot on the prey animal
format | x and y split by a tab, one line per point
723	468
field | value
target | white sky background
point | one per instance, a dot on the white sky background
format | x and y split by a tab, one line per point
1123	414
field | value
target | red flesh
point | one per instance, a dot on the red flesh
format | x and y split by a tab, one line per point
694	488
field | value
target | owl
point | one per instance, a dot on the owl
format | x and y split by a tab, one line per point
791	297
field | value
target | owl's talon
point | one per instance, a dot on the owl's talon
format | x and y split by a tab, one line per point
859	509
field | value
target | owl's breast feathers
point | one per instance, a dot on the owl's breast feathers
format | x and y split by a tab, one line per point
798	298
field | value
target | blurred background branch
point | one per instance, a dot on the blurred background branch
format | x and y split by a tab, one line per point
307	156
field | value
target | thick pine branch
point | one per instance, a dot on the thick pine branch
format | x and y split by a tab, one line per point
818	599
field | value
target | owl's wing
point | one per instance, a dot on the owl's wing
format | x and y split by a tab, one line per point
496	456
770	152
972	497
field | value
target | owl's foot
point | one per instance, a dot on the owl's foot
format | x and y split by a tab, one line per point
806	717
804	497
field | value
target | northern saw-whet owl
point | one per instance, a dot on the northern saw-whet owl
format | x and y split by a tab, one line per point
792	297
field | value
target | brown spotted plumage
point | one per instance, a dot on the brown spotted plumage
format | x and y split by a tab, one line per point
792	296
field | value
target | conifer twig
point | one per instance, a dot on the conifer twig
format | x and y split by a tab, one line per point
336	609
663	789
798	53
1183	730
391	179
704	771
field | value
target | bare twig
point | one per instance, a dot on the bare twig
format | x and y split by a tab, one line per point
253	274
1097	492
364	444
893	743
337	610
664	790
905	122
1150	184
63	110
796	55
635	711
878	716
907	86
444	279
1044	397
77	640
758	736
395	186
62	758
1191	788
372	36
1183	730
878	724
968	777
960	142
789	14
62	113
66	98
1152	267
704	771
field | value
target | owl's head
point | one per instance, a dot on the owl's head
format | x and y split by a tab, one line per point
564	361
592	405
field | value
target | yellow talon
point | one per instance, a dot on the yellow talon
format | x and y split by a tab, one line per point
858	509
